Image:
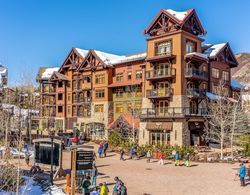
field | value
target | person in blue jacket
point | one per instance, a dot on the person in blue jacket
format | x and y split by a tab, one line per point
242	174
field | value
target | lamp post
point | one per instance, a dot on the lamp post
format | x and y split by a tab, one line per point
52	134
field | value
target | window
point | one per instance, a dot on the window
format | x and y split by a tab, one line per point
99	93
99	108
204	68
138	106
204	86
215	73
69	97
119	108
163	48
100	79
74	111
60	109
60	96
129	75
225	76
60	84
190	46
119	77
138	74
138	92
69	110
119	92
159	138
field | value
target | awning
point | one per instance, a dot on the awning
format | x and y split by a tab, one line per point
159	126
117	84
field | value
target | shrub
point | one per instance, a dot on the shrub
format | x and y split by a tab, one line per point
245	144
115	139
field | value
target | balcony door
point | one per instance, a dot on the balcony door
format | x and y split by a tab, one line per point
193	107
162	69
161	108
162	88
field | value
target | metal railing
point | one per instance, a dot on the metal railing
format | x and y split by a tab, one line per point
171	112
160	73
192	72
195	92
154	93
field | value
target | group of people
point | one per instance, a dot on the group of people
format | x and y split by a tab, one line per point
102	149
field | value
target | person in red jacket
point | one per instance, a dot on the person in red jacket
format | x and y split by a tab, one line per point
160	155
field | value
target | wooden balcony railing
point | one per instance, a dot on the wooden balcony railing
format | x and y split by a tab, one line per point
171	112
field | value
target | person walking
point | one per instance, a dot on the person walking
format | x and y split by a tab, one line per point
85	186
131	152
27	158
100	150
187	160
123	189
105	148
117	187
94	175
161	162
242	174
122	154
177	160
104	189
148	156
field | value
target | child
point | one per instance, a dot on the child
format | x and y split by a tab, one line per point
187	160
161	162
177	160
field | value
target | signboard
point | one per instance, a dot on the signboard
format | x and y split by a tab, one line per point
84	160
43	152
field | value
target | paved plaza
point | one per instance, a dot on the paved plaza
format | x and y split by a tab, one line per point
151	178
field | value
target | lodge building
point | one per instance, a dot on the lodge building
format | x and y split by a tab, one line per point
159	94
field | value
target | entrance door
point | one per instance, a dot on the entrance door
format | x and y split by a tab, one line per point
162	107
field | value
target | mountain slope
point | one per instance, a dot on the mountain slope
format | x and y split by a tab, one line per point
242	72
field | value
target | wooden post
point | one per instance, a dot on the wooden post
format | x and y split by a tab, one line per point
73	171
67	186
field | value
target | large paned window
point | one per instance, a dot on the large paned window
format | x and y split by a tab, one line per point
119	92
100	79
215	73
119	108
99	108
159	138
119	77
163	48
138	75
190	46
129	76
99	93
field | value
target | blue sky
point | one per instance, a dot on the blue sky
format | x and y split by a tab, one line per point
41	33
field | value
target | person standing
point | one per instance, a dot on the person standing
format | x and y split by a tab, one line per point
242	174
148	156
104	189
121	154
100	150
123	189
117	187
105	148
85	186
187	160
161	162
177	160
94	175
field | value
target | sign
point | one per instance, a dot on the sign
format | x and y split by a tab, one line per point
84	160
43	152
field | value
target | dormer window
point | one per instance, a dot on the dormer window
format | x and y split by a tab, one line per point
163	48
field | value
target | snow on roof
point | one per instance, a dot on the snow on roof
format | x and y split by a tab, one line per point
214	49
16	110
82	52
48	72
198	54
129	58
179	15
235	84
107	57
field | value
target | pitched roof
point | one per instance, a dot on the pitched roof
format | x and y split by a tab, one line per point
179	15
107	57
59	76
45	73
128	118
214	49
81	52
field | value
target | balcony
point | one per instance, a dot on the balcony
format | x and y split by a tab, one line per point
196	74
160	74
50	90
159	93
172	112
80	100
162	56
195	93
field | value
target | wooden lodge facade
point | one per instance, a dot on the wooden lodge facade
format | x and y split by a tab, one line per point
162	89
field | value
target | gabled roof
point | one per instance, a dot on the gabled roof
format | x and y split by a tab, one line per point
44	73
126	118
81	52
213	51
180	18
58	76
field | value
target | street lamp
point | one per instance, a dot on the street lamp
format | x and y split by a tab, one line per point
52	134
